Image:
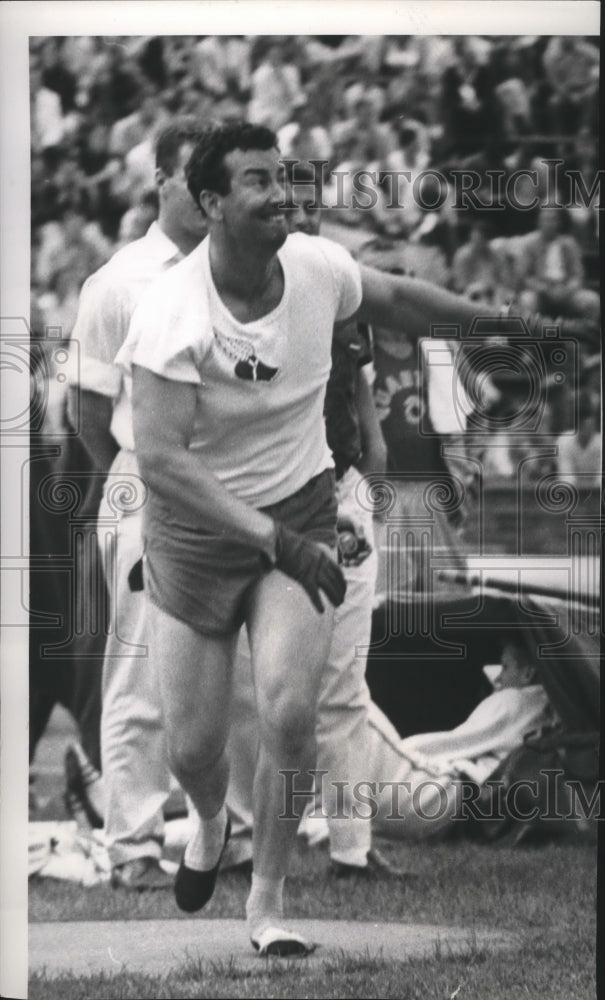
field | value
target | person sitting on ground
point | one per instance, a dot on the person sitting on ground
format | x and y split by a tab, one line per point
415	784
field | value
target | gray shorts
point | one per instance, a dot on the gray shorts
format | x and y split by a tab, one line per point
204	579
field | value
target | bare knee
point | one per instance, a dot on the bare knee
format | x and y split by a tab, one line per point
289	728
200	753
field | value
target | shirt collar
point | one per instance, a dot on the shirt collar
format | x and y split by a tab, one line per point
166	249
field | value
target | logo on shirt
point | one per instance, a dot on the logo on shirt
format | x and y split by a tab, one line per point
248	366
253	370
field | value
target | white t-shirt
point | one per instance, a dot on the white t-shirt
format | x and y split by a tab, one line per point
264	438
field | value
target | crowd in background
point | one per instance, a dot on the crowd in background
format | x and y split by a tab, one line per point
376	103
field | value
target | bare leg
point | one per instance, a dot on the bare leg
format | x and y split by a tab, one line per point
289	643
195	676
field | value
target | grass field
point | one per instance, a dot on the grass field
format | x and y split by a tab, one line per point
545	894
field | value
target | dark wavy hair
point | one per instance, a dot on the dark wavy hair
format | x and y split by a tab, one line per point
206	169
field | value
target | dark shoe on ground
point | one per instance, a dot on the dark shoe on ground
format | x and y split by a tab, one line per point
377	867
193	889
80	776
140	875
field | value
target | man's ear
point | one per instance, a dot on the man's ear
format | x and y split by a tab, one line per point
160	177
529	674
211	204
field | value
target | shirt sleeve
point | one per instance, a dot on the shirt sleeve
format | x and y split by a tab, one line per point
100	329
162	339
346	275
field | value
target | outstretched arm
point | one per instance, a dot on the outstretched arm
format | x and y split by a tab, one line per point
399	302
412	305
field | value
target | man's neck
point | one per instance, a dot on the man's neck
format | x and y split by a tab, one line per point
238	271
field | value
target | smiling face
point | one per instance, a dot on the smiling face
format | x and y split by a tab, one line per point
253	210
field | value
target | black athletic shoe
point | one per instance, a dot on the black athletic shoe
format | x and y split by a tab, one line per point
192	889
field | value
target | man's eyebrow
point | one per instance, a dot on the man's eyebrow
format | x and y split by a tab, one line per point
256	170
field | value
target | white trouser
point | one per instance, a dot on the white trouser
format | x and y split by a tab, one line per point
342	722
136	777
408	802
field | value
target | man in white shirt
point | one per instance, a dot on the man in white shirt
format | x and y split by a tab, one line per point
230	354
135	767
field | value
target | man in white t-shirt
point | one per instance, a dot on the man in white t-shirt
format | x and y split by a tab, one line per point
233	356
230	355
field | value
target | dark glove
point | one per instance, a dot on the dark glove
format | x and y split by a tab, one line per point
306	562
135	577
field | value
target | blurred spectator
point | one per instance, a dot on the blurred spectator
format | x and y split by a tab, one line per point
479	271
359	54
56	76
372	139
590	379
275	89
468	98
302	138
223	65
178	55
551	271
115	85
151	61
361	146
47	124
584	218
398	212
513	96
409	93
128	132
579	455
58	307
571	66
71	243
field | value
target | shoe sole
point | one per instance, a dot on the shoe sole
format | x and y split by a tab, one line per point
286	947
